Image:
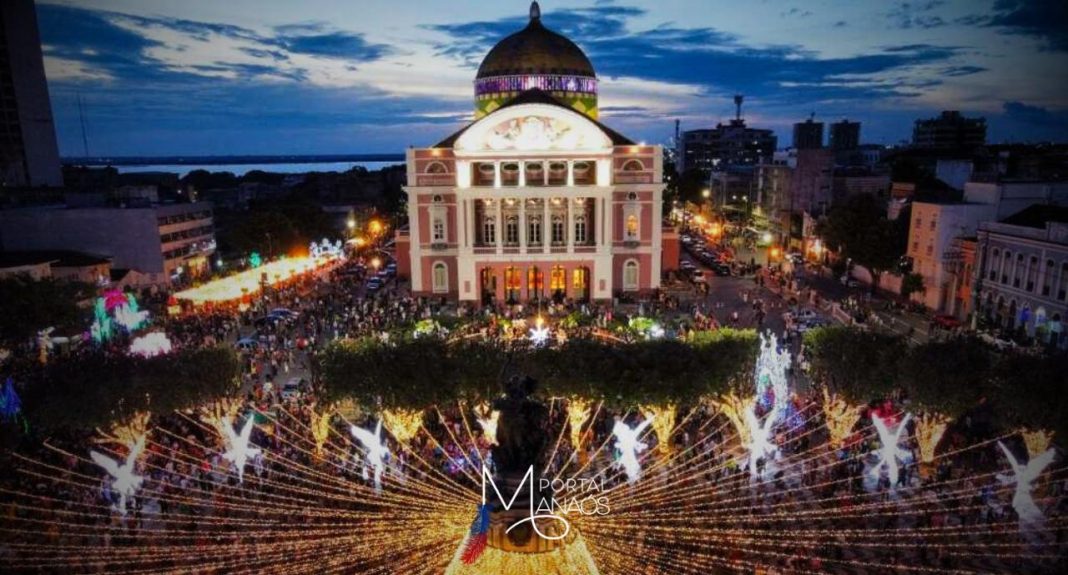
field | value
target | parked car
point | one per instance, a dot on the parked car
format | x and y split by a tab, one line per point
292	388
246	344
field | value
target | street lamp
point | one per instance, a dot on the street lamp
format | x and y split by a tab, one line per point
351	224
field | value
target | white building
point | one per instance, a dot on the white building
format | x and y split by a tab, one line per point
932	231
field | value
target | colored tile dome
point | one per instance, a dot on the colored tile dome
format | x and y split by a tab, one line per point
535	50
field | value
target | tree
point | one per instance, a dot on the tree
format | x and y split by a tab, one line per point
859	365
85	391
28	305
910	284
859	229
947	377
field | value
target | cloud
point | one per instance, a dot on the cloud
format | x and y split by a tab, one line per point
1043	19
335	44
1036	115
906	15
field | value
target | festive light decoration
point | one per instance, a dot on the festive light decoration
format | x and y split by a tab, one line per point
320	428
10	404
539	334
125	482
219	413
663	418
377	452
1037	441
930	427
250	281
487	419
1023	477
428	327
572	558
44	344
760	443
578	411
100	330
770	374
735	408
889	451
128	433
255	260
326	250
151	344
238	450
840	417
403	423
129	315
629	446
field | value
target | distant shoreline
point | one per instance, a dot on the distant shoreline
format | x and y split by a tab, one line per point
228	160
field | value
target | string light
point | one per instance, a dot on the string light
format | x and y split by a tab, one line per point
840	418
930	427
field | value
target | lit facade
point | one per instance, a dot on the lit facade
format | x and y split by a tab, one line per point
535	199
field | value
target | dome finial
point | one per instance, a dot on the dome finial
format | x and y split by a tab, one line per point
535	11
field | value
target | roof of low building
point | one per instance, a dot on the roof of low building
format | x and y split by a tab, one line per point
58	258
1037	216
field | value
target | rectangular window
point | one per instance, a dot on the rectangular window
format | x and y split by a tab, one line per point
511	232
489	231
438	232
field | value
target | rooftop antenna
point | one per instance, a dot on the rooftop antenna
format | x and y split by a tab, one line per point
81	118
738	98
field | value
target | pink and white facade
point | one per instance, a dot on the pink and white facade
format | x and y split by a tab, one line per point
534	200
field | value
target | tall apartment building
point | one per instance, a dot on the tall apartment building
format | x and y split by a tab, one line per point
808	135
29	155
844	136
949	131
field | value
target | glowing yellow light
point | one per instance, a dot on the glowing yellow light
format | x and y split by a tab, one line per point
487	419
218	412
127	433
715	229
572	556
840	418
320	427
578	410
375	227
734	408
930	427
1037	441
402	423
663	417
376	262
776	252
248	282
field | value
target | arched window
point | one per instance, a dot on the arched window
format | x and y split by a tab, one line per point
630	275
1018	271
995	261
1047	277
535	282
558	230
633	166
440	277
1032	273
436	168
632	227
534	231
1006	264
511	231
489	230
580	230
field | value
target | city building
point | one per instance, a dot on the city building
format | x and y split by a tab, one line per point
1023	275
774	199
29	156
812	181
949	131
165	243
845	136
932	247
58	264
849	182
535	198
725	146
1012	196
808	135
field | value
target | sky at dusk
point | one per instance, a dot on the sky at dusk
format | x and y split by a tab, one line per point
207	77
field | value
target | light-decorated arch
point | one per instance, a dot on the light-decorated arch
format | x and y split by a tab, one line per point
533	128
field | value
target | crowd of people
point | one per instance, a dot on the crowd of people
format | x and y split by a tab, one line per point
193	493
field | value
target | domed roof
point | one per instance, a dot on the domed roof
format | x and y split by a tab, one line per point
535	50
